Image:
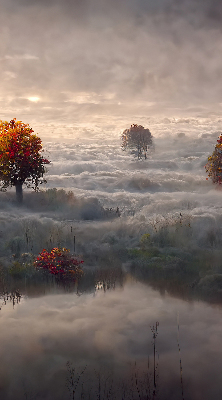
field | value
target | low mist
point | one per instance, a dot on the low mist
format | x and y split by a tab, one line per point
149	232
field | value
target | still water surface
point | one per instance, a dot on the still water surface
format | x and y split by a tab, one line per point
108	337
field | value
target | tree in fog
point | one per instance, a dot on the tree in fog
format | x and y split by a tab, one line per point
214	164
139	138
21	161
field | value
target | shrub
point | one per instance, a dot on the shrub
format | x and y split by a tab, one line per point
59	262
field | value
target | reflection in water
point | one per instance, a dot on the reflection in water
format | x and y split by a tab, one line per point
108	279
111	345
13	297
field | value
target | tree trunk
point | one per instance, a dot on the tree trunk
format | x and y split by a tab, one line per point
138	151
19	192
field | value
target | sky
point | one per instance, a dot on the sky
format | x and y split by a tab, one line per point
107	61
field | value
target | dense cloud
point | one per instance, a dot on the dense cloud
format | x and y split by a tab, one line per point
88	59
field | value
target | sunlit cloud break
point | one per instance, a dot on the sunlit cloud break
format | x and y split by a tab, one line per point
34	99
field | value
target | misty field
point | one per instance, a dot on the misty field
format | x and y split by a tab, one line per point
143	322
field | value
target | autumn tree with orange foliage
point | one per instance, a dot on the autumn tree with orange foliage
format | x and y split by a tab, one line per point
214	164
139	138
21	161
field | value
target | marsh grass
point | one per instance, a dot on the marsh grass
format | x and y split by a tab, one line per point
172	257
138	382
73	379
103	384
180	357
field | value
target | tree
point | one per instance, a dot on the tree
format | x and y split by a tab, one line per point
214	164
139	138
59	262
21	161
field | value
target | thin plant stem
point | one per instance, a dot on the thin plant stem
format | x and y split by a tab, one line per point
181	369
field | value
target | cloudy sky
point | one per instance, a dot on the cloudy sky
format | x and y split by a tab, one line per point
92	60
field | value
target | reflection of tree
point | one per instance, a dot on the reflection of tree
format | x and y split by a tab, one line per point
107	279
2	279
6	295
13	297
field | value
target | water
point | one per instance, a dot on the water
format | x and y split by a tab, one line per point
109	334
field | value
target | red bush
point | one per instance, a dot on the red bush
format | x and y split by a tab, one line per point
59	262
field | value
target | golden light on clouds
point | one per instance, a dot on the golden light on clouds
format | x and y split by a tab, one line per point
87	97
34	99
